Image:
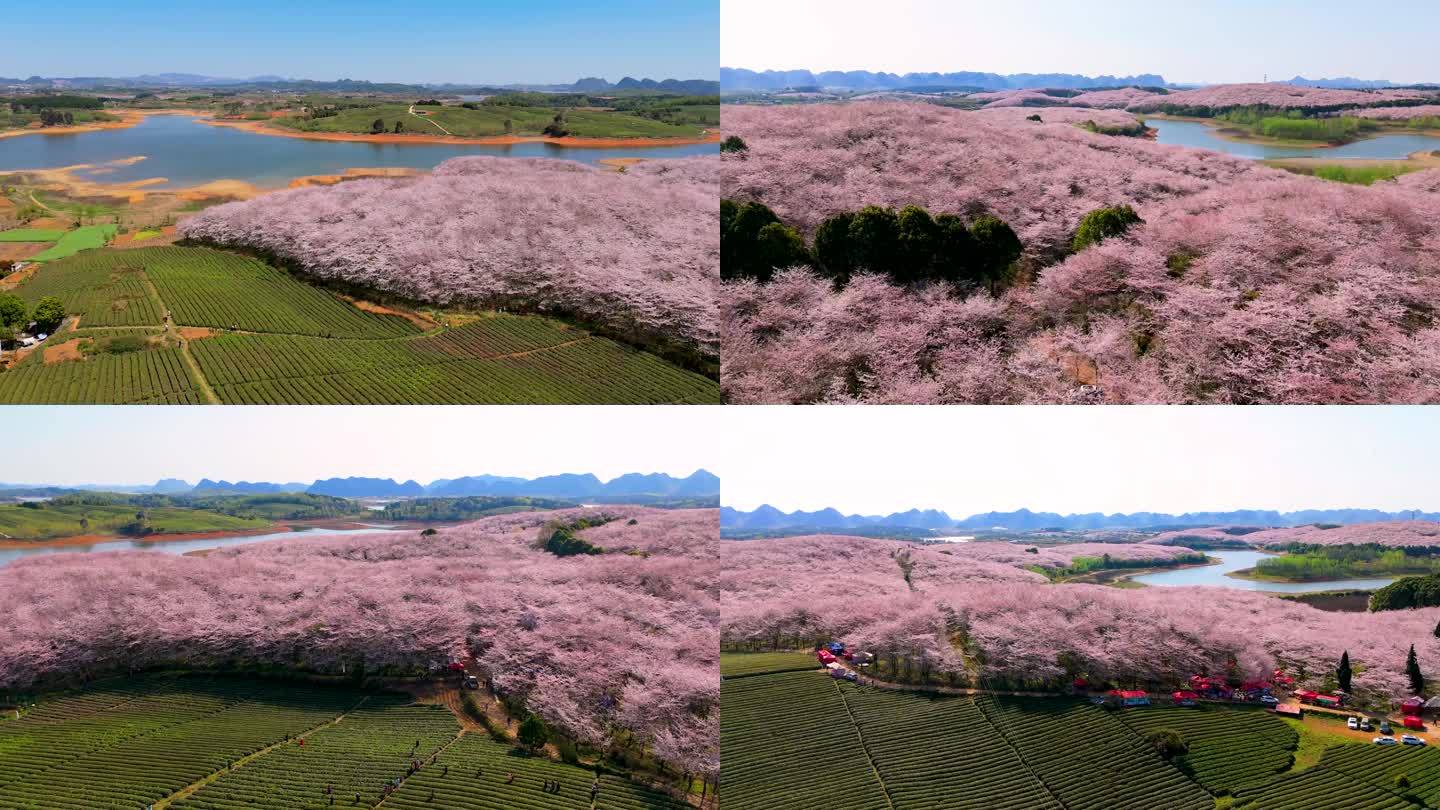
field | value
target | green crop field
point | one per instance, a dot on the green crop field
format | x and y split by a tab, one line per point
136	745
199	742
803	740
275	339
741	664
476	780
49	520
490	121
1230	748
1381	767
1088	758
86	238
1319	788
786	741
928	749
30	235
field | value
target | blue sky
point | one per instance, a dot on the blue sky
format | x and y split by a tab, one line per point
458	41
1068	459
130	445
1184	40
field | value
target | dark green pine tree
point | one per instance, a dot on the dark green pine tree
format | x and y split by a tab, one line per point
1412	671
1342	672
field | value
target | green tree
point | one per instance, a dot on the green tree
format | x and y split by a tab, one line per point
955	255
1412	671
754	243
778	247
13	311
378	126
533	734
1103	223
832	247
734	144
918	238
875	239
1437	629
1167	742
996	250
49	314
1342	672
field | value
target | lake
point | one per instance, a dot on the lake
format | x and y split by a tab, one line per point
188	153
8	555
1204	136
1214	576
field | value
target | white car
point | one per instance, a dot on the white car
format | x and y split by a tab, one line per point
1353	723
1270	700
1411	739
1385	741
1365	724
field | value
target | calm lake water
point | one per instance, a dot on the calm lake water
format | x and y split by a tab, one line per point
1203	136
188	153
1214	576
7	555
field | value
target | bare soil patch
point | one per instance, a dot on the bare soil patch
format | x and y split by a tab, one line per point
379	309
195	332
62	352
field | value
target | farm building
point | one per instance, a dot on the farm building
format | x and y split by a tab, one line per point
1413	721
1184	698
1288	710
1128	697
1412	705
1328	701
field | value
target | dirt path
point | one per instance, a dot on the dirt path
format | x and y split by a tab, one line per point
191	788
437	752
430	120
186	357
860	738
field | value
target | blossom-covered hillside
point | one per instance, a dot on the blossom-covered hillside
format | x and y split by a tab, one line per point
625	639
1017	629
1275	94
636	251
1397	533
1242	284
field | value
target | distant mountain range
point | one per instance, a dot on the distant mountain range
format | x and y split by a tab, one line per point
739	79
1343	83
699	484
171	81
768	517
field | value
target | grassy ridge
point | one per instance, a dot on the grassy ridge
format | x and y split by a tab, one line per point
489	121
741	664
50	520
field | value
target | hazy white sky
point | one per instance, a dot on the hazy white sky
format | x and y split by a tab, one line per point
966	460
1183	40
125	445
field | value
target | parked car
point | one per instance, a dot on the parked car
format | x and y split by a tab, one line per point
1353	723
1385	727
1365	724
1385	741
1270	700
472	682
1411	739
